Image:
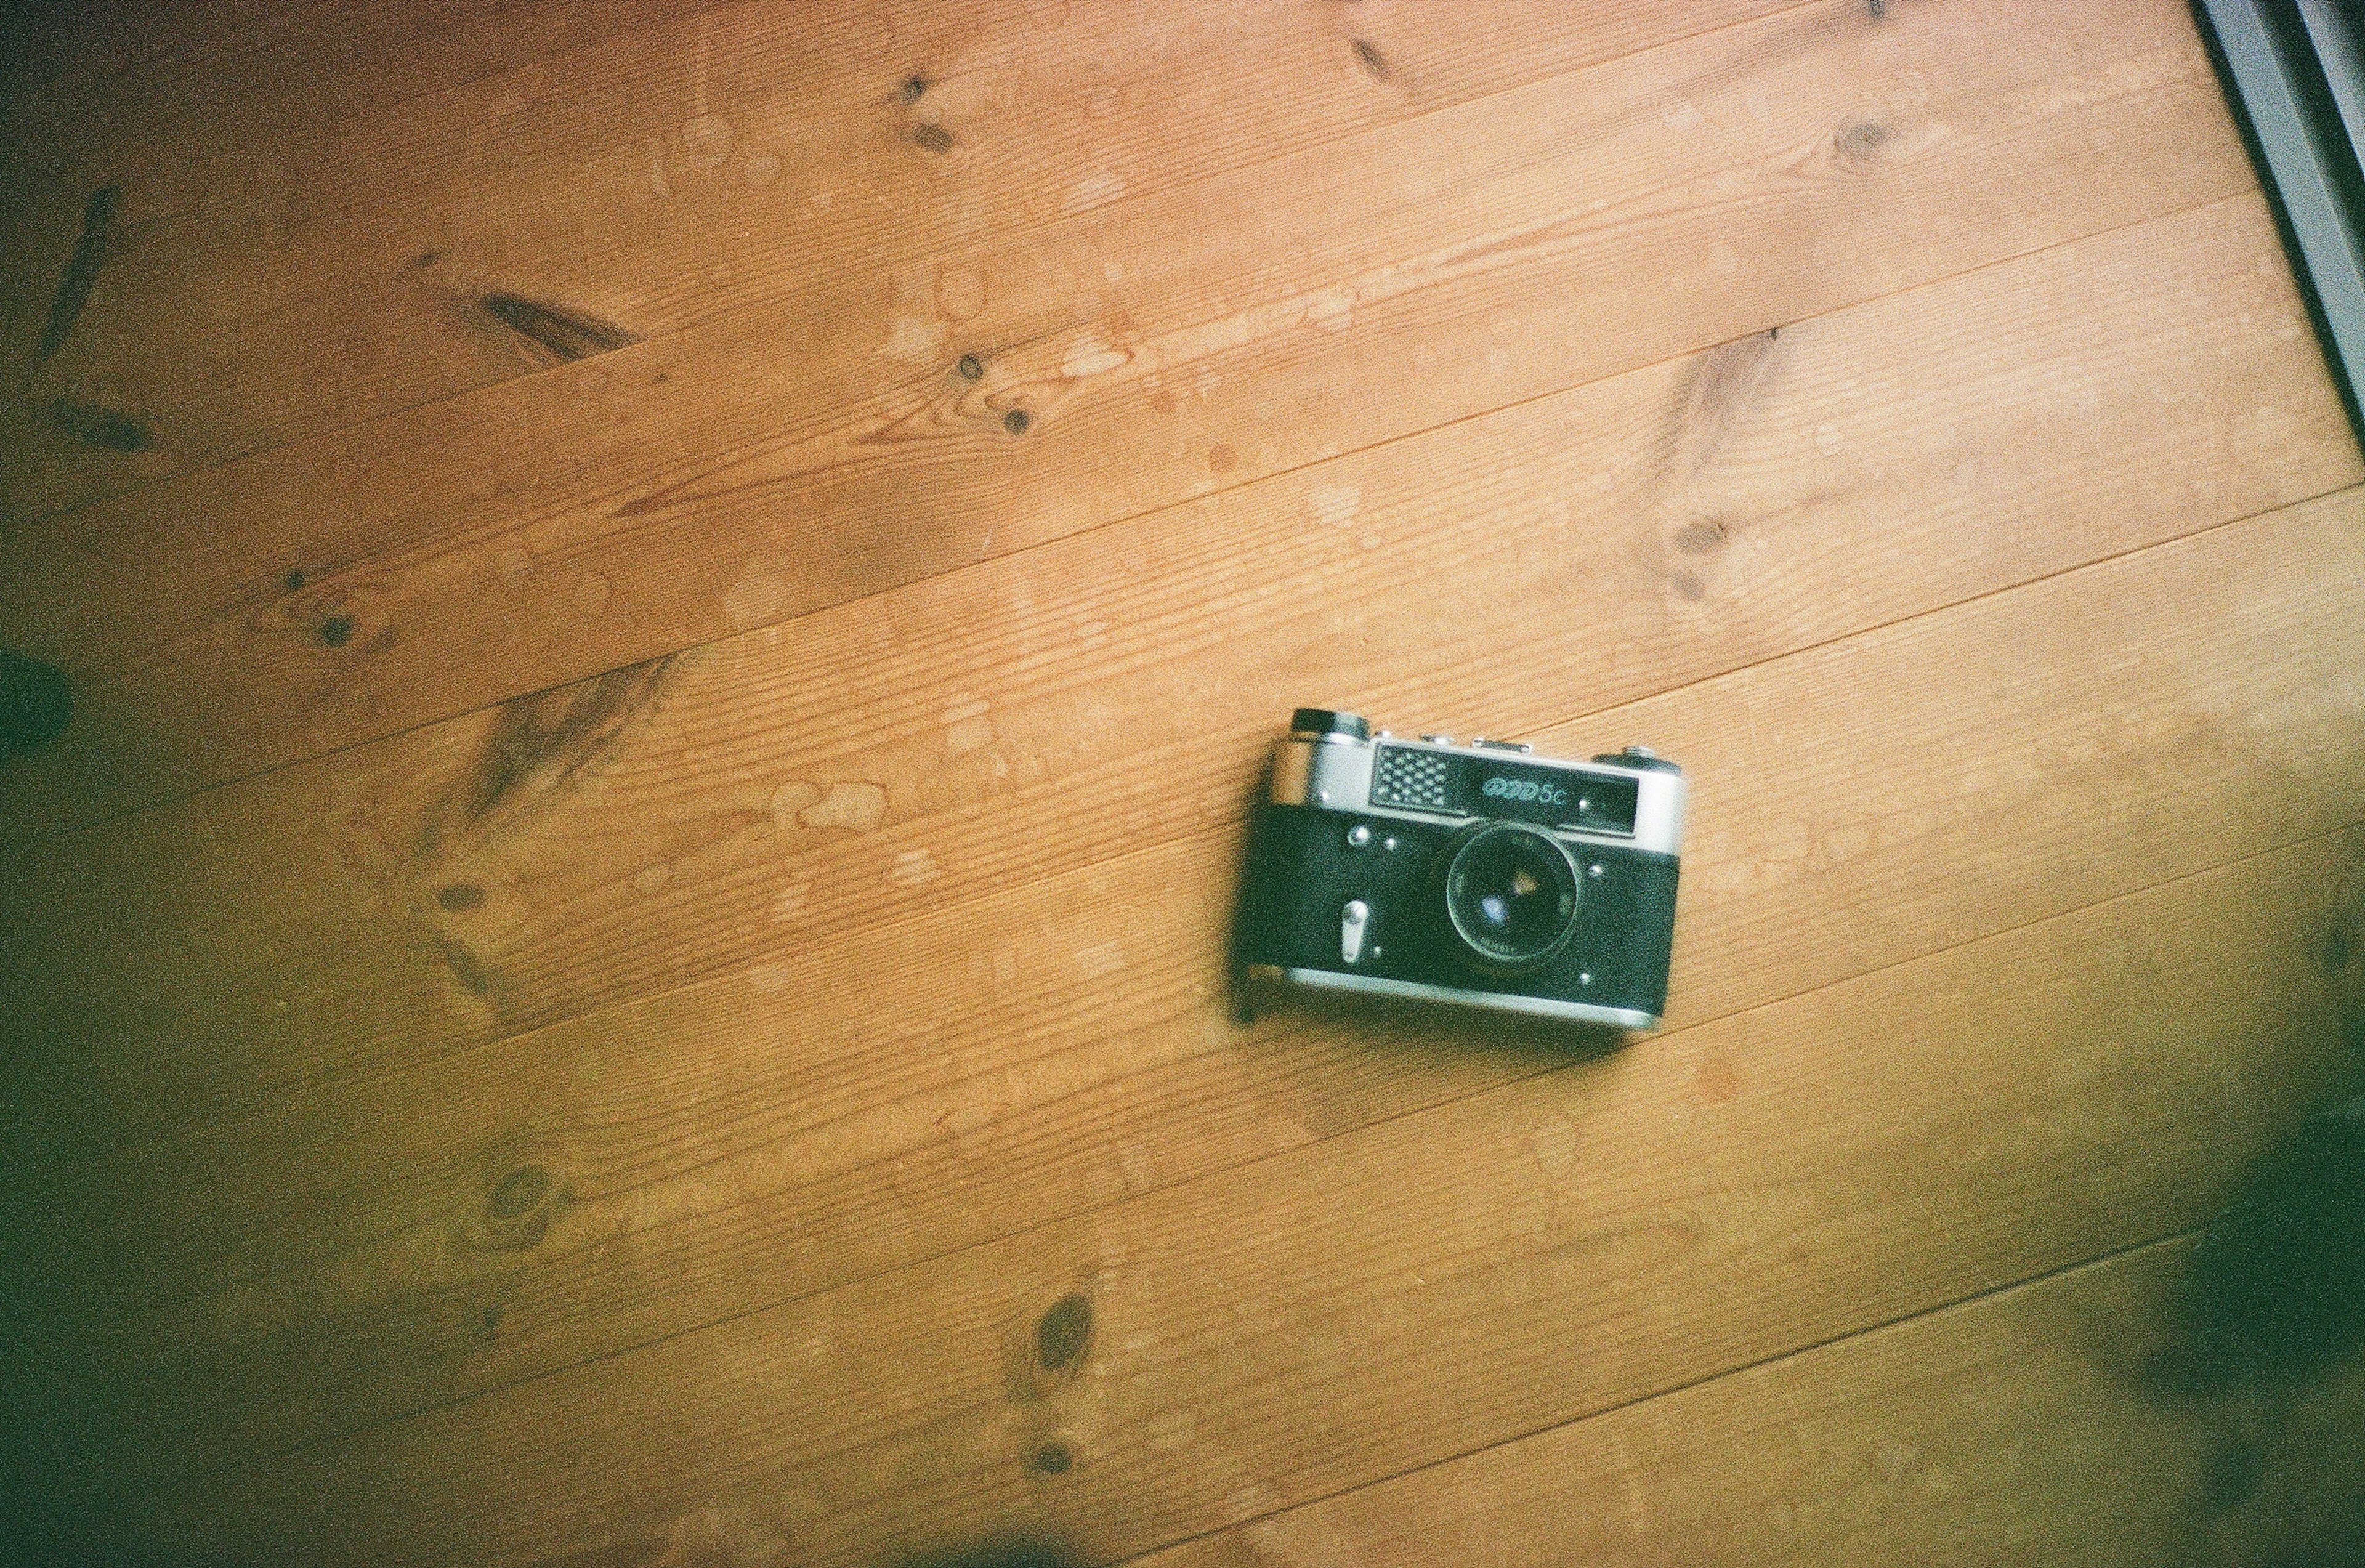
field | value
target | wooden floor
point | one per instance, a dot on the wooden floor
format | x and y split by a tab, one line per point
674	608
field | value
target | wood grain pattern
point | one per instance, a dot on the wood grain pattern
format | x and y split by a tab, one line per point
826	447
667	161
674	609
672	1209
213	119
834	760
1715	1197
2014	1428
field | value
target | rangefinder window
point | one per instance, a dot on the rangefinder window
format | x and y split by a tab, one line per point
1478	787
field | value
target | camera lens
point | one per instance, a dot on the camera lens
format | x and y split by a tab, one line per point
1510	892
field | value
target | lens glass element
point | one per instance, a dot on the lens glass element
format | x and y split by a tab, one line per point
1510	892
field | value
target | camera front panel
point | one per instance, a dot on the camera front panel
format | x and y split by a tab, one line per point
1368	896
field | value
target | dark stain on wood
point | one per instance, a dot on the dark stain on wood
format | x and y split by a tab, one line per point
520	1208
1054	1457
1368	55
2342	928
569	334
465	966
519	1191
94	424
912	89
81	269
1017	420
1875	9
970	367
1719	386
2231	1475
539	744
459	898
426	259
489	1323
1688	585
1700	538
933	137
336	631
2337	946
1064	1332
36	702
2274	1291
294	581
1860	141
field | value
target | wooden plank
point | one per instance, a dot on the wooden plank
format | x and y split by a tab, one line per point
2012	1429
780	460
717	1157
1418	1288
206	121
55	51
795	783
661	163
660	1184
146	90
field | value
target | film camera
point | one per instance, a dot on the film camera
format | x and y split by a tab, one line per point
1478	874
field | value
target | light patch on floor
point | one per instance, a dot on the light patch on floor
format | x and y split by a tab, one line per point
1094	190
1334	504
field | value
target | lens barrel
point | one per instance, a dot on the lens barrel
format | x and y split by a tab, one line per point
1510	893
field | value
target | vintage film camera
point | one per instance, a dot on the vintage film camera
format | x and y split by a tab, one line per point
1480	875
